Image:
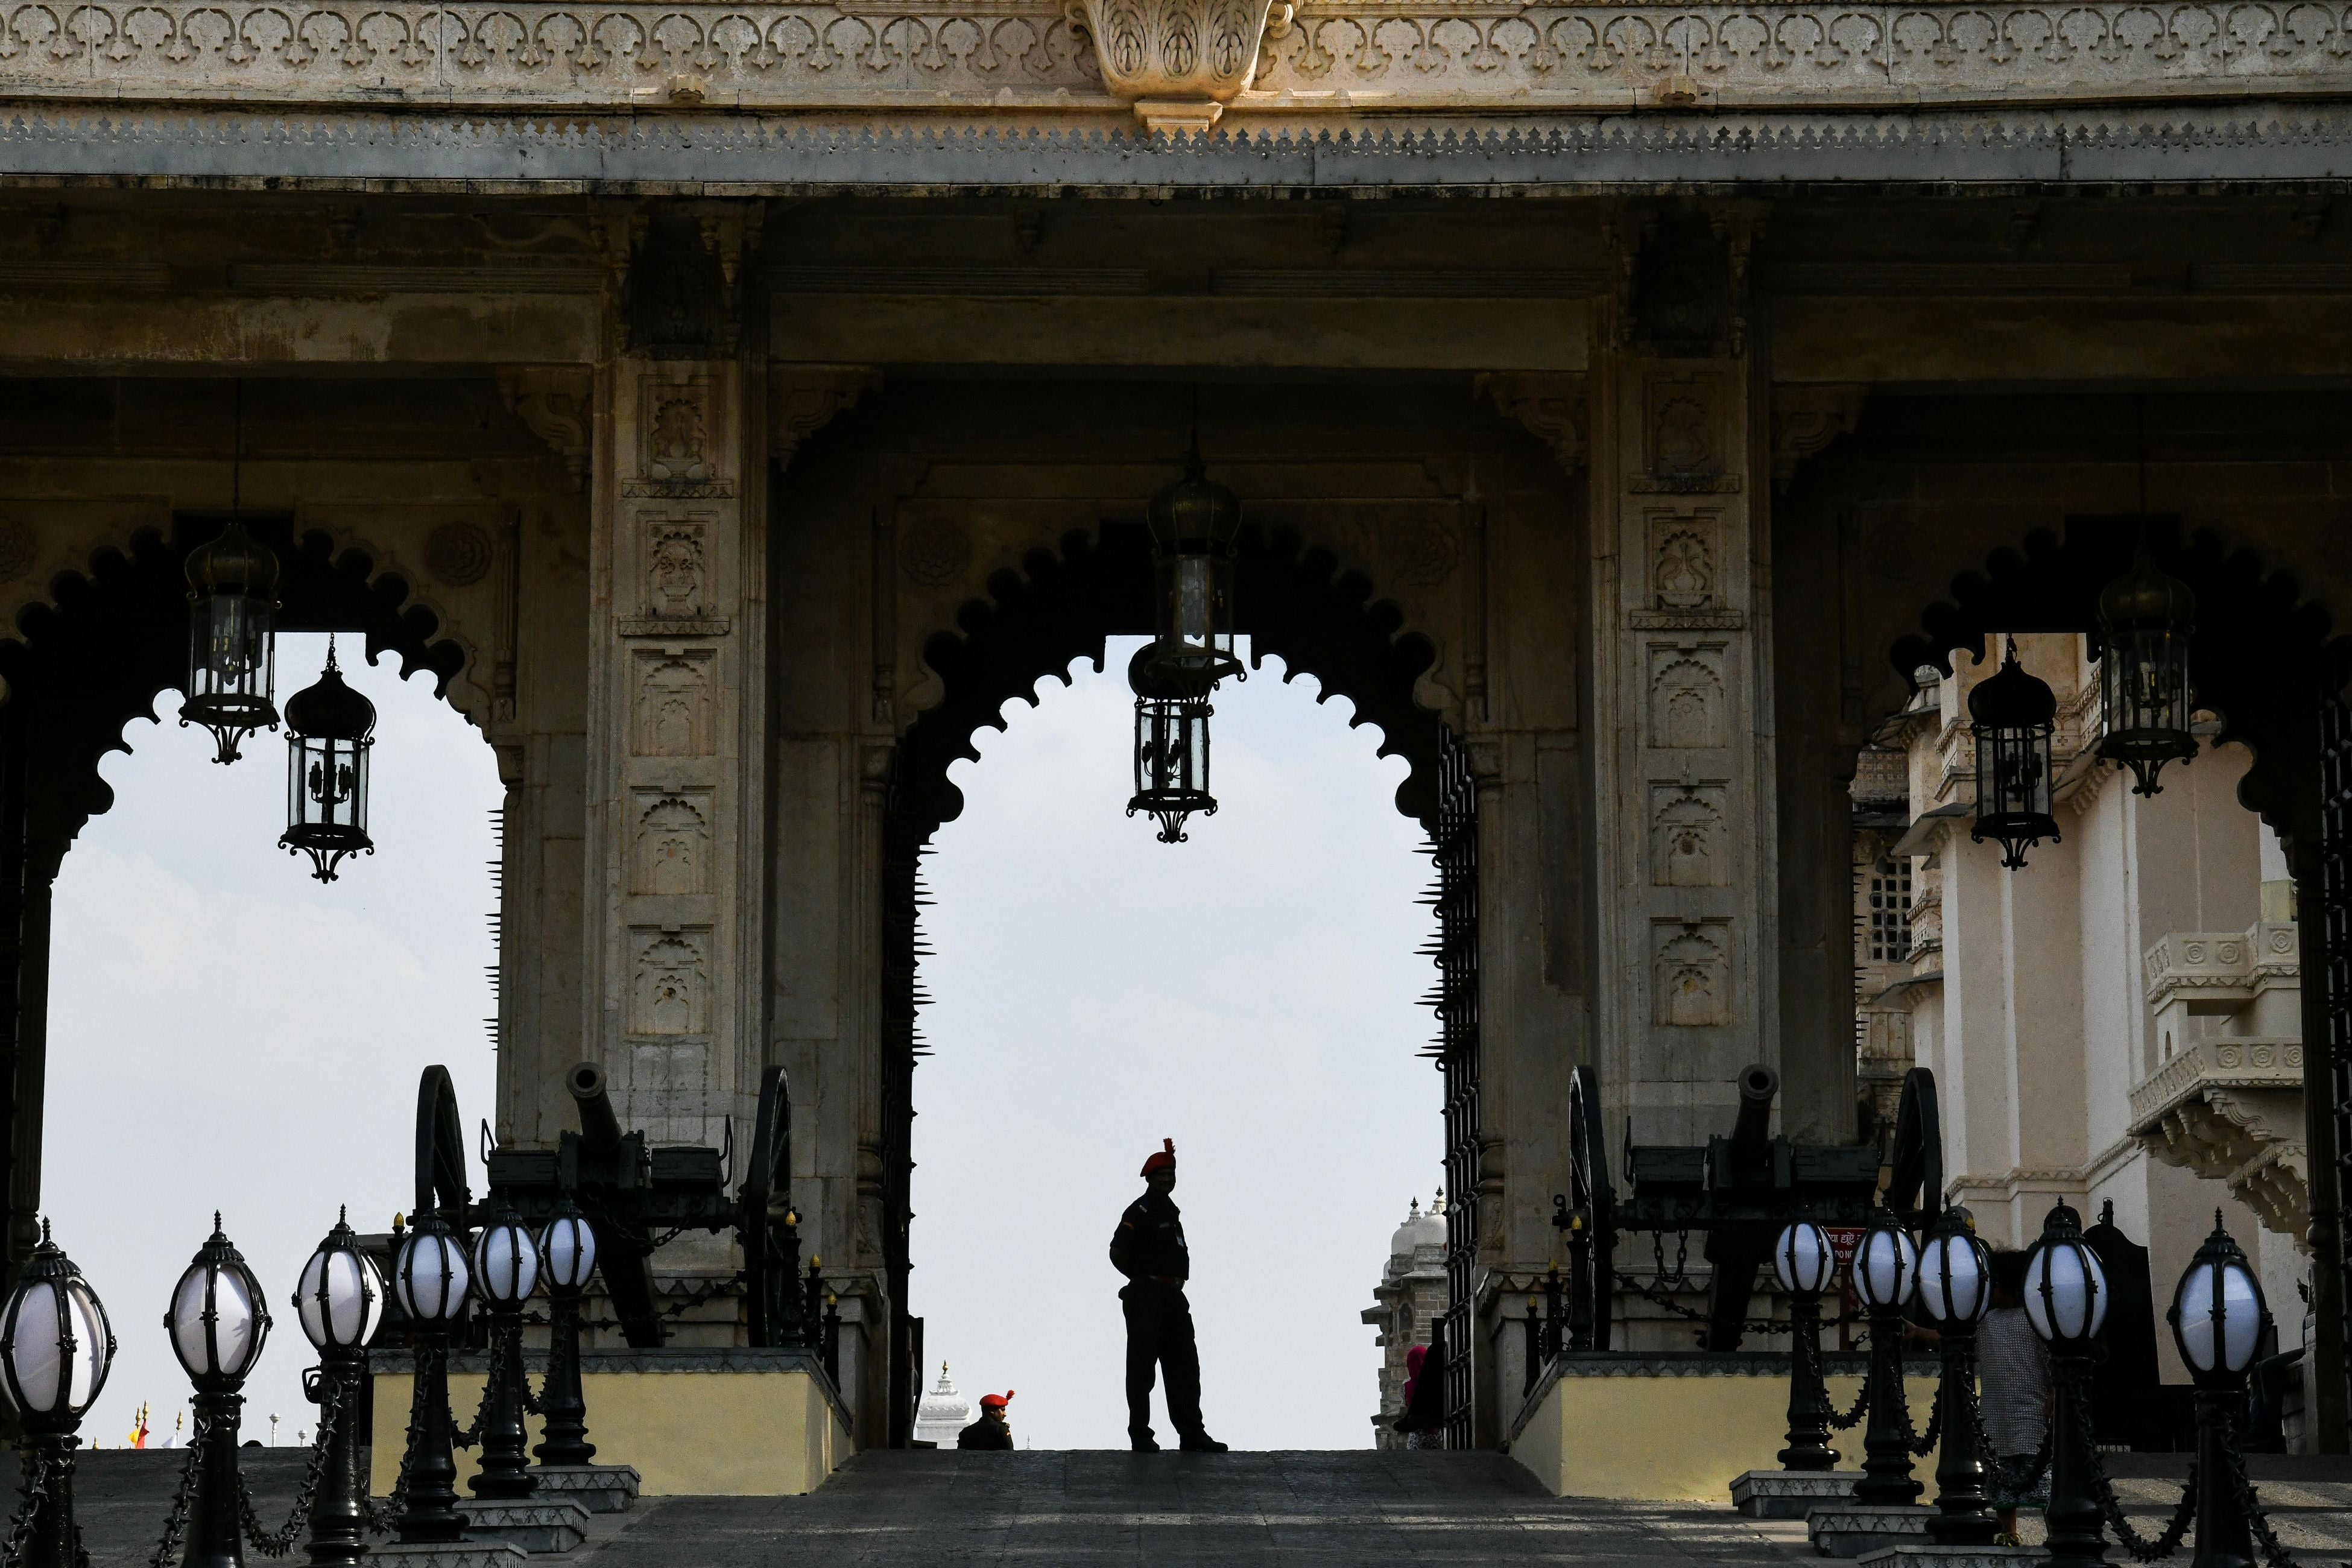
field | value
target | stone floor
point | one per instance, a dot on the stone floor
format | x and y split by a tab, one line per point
914	1509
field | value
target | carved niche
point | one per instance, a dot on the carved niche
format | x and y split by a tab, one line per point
677	447
673	703
669	980
1683	549
677	571
1690	974
1689	847
670	848
1684	448
1687	701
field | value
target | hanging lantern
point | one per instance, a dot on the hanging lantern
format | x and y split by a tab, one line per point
1194	522
2013	715
2145	619
327	727
232	655
1171	745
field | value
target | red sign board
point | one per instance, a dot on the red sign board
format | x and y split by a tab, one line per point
1845	1240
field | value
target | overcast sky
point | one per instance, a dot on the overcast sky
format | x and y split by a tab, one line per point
226	1032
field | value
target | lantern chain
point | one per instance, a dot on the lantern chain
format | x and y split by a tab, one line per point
37	1475
1812	1353
2142	1549
1924	1445
472	1435
176	1524
379	1522
279	1542
2274	1551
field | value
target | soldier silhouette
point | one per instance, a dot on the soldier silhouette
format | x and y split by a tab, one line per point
1149	1248
991	1430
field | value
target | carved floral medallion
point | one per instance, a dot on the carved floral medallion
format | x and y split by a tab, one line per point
1179	62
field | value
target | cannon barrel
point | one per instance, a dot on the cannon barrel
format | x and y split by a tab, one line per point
1751	1135
599	1128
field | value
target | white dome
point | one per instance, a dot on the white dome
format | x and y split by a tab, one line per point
942	1411
1419	1229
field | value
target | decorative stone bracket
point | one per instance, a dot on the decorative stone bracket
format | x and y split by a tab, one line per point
1806	420
1550	405
1178	62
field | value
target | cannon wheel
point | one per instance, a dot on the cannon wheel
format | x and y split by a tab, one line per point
762	1204
440	1150
1915	1189
1593	1283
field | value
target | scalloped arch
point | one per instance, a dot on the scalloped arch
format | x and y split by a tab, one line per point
1296	603
107	641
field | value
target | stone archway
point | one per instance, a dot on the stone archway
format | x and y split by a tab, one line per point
91	657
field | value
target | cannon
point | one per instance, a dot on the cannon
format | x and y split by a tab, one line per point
635	1195
1739	1189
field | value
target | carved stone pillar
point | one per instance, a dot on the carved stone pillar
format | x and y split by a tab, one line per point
1686	989
677	656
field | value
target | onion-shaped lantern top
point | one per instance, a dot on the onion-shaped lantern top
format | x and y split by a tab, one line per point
329	729
1954	1273
232	649
1194	522
1886	1264
506	1261
430	1275
2145	617
2217	1312
56	1343
2065	1288
2014	716
217	1320
1172	744
341	1298
569	1245
1802	1260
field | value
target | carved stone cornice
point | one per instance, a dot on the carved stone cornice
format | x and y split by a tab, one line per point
803	398
1807	419
555	403
1551	407
1018	55
1177	62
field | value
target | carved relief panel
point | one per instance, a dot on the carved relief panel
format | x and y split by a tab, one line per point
670	849
671	708
1688	842
1684	444
680	439
1686	698
1690	972
669	980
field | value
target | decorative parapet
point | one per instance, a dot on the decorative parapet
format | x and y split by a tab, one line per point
993	59
2227	1102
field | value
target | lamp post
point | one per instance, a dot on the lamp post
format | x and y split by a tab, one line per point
1802	1261
56	1348
218	1322
2217	1318
338	1302
506	1270
232	651
1956	1288
2013	716
2066	1302
327	738
1172	744
570	1244
2145	620
430	1278
1885	1273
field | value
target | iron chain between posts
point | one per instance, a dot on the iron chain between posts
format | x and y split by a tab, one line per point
1812	1354
38	1476
279	1542
380	1520
2274	1551
2103	1488
176	1524
472	1434
1924	1445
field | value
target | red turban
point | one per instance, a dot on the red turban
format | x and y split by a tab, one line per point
995	1401
1163	1161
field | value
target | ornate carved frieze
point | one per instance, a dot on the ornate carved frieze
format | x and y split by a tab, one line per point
1333	57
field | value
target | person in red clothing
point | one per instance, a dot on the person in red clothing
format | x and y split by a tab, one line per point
990	1431
1149	1248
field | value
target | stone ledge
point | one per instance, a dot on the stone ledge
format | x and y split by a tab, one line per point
718	154
535	1524
1850	1530
1907	1555
448	1553
599	1489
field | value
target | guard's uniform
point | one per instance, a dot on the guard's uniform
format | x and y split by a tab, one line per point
1149	1248
988	1432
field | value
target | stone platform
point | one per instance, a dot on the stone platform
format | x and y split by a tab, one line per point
1789	1494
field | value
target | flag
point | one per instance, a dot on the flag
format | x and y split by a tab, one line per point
138	1436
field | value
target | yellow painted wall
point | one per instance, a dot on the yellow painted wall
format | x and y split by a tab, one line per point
729	1434
1681	1438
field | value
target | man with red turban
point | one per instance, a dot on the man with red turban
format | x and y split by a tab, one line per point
990	1431
1149	1248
